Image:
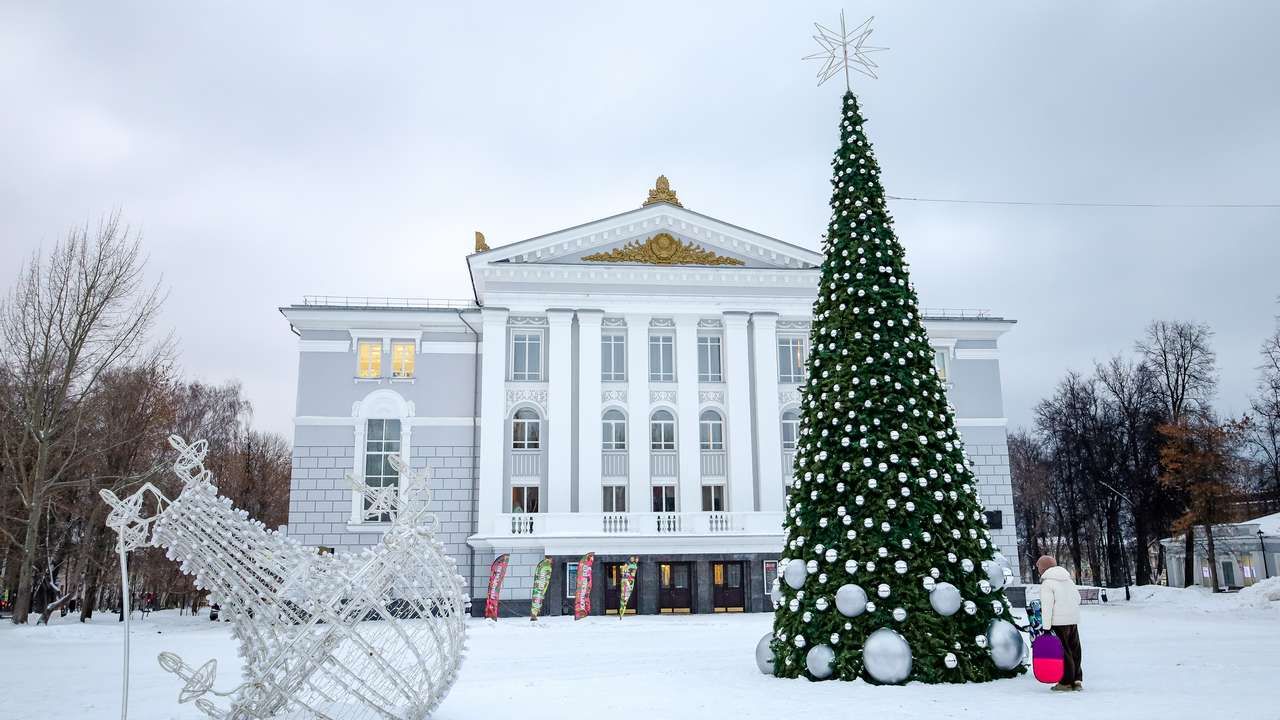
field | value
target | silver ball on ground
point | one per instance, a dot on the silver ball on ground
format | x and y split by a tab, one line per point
945	599
995	573
1007	649
795	574
851	600
818	661
764	654
887	657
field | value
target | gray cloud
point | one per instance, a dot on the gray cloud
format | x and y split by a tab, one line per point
271	151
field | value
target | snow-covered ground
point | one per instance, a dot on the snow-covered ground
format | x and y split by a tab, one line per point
1168	654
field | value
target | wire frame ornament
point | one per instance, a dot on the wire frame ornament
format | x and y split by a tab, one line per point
378	633
844	50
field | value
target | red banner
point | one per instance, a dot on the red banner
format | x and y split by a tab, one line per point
497	572
582	604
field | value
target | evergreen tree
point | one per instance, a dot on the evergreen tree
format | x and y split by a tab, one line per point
883	498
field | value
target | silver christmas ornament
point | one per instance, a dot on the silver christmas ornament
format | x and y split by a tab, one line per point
899	614
995	573
1007	649
764	654
950	661
818	661
795	574
945	599
851	600
969	607
966	565
887	657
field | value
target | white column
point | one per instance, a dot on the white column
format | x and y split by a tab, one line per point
737	378
638	482
768	415
493	410
589	411
559	410
690	450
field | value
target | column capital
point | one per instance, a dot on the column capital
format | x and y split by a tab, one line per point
559	316
736	318
494	315
686	321
765	319
590	316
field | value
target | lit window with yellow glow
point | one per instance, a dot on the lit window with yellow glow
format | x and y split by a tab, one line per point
402	355
940	356
369	359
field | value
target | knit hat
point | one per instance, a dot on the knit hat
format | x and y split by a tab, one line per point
1044	563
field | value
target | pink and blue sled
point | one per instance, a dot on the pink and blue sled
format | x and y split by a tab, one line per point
1047	658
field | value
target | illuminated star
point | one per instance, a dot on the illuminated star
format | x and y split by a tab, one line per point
843	50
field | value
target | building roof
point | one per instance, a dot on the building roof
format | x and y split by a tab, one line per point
1268	524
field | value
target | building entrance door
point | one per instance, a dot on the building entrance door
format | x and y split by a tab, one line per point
728	593
675	587
613	590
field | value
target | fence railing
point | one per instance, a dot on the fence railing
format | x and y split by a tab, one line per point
366	301
645	523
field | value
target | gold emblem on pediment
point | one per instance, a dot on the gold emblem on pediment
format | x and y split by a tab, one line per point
662	193
662	249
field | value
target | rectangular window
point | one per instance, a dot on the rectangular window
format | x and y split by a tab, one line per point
792	357
615	498
709	359
615	434
662	435
664	498
613	358
524	498
403	354
369	359
711	434
790	430
940	356
526	356
526	432
712	498
382	440
571	580
662	358
995	519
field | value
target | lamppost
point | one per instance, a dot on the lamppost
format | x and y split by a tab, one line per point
1262	545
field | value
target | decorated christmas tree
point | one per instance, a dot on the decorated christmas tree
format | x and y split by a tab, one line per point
888	571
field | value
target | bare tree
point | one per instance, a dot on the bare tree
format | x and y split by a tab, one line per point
74	315
1184	364
1264	430
1030	473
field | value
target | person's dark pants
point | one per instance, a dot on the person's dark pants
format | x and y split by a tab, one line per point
1069	635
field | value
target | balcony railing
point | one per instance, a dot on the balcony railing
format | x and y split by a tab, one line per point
526	463
641	524
713	463
613	463
664	463
361	301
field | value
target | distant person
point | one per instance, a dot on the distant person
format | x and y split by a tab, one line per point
1060	613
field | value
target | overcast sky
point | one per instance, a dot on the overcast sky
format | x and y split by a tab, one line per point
268	152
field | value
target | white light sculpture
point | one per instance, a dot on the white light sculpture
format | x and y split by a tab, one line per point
378	633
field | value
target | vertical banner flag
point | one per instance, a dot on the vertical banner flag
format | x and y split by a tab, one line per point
541	579
582	604
628	584
497	572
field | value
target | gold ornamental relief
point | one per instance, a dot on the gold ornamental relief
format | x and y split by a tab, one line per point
662	249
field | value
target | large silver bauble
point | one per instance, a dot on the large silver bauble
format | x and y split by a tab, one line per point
764	654
1006	644
818	661
945	599
795	574
851	600
995	573
887	657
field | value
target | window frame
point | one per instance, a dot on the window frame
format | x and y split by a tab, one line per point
668	493
796	350
526	337
612	492
713	494
794	421
660	342
523	489
412	359
571	580
614	347
941	352
611	428
374	371
520	439
707	372
389	443
711	431
665	443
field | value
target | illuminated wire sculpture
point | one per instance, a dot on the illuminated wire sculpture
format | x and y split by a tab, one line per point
378	633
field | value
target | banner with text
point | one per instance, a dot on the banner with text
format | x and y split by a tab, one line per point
628	584
497	572
582	603
541	579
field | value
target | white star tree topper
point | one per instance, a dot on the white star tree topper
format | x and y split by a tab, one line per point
843	50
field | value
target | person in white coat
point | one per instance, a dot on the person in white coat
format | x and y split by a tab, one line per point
1060	613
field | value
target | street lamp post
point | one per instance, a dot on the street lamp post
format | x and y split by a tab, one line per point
1262	546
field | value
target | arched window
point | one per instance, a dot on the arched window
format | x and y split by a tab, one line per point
711	430
662	431
526	430
615	430
790	429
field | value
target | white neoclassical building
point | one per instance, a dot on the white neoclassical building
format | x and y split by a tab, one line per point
627	386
